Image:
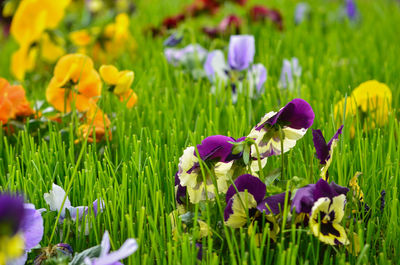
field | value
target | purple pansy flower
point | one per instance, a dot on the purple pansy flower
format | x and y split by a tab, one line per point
294	119
238	67
351	9
325	150
291	71
217	153
324	203
113	258
21	227
302	12
242	204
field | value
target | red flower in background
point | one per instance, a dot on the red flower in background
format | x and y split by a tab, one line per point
173	21
262	13
229	25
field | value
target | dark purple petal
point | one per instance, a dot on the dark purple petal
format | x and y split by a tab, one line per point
181	191
217	148
339	189
320	146
252	184
199	246
228	209
336	136
303	199
241	51
297	114
64	248
12	212
323	189
275	203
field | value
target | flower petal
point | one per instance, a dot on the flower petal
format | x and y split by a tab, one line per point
241	51
252	184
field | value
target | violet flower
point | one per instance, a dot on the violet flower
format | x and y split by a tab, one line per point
325	150
282	128
21	228
242	205
113	258
173	40
324	204
291	71
351	9
238	68
301	13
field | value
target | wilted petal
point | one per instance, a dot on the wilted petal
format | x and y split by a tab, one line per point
241	51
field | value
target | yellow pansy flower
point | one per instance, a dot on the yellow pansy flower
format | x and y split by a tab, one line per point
371	100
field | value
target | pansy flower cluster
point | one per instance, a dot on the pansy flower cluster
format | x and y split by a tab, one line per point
229	170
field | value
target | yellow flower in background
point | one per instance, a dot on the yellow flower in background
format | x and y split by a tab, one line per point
120	83
372	102
32	18
23	60
75	82
116	40
51	48
81	38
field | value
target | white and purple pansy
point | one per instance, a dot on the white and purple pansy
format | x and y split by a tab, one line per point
291	72
324	203
238	68
282	128
21	228
216	153
245	202
187	56
113	258
325	150
55	198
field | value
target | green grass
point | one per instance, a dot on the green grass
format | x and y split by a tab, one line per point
134	172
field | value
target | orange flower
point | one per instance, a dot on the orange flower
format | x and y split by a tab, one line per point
96	126
129	97
13	102
75	83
